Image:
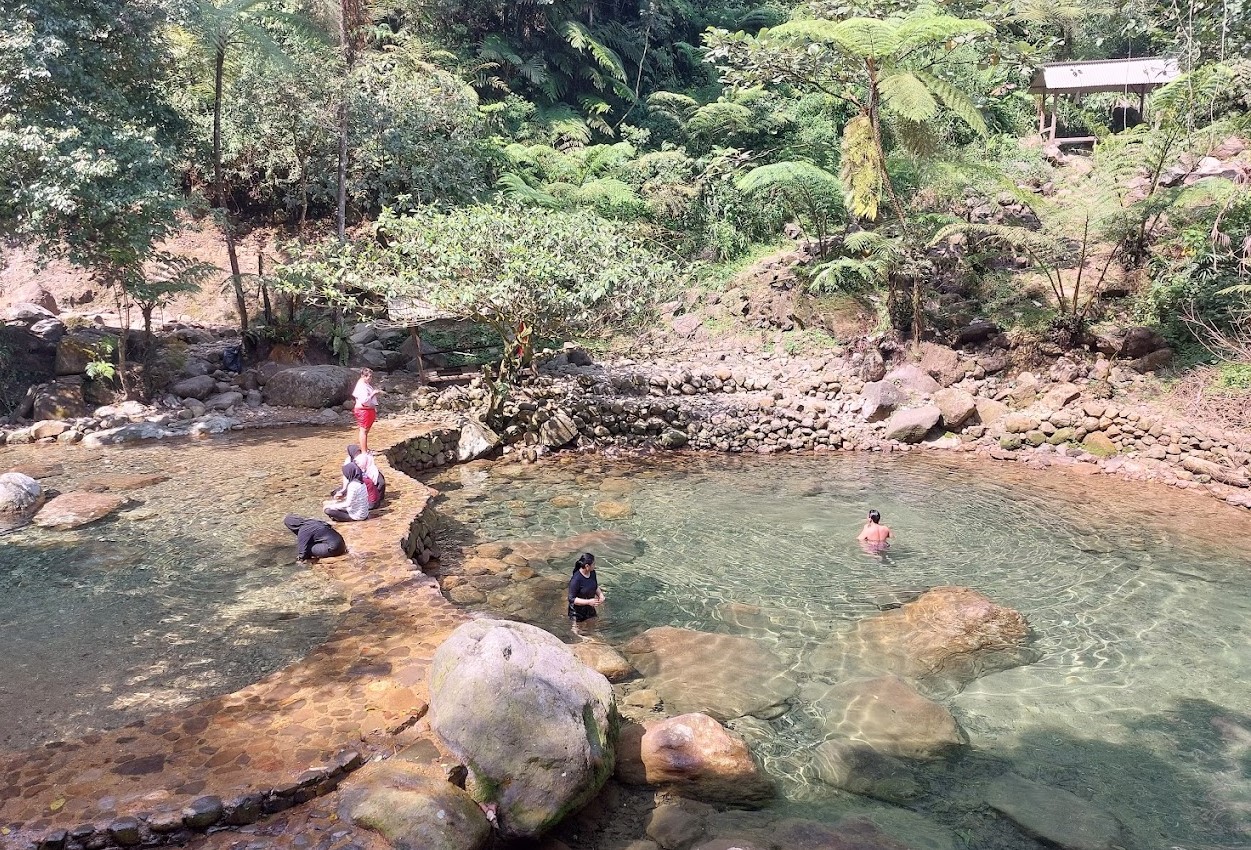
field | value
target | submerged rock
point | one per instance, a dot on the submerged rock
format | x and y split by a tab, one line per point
20	497
889	715
944	639
535	727
411	810
695	756
72	510
860	769
612	545
719	675
1053	814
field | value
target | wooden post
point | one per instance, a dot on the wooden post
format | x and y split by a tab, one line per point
421	364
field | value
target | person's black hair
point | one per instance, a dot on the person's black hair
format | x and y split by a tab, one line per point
586	560
874	516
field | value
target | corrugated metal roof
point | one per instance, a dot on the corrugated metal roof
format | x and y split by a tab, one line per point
412	311
1128	75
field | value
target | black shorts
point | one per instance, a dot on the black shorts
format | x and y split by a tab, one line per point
581	613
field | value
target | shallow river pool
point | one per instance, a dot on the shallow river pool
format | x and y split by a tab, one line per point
1139	600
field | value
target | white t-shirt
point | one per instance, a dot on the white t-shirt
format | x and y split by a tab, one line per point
365	395
357	499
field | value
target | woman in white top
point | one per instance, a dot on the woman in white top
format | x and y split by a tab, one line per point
366	407
375	484
354	505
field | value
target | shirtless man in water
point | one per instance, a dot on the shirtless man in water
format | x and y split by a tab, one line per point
875	537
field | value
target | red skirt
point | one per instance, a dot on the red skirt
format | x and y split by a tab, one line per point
365	416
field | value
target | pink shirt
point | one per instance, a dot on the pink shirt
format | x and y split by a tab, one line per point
365	395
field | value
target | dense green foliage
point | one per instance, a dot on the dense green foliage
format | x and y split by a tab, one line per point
652	135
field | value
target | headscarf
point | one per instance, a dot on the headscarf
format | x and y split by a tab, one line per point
351	472
353	450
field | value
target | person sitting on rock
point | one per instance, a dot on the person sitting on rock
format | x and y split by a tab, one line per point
585	595
874	537
375	483
353	504
314	539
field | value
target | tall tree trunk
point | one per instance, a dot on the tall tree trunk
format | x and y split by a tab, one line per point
219	189
341	215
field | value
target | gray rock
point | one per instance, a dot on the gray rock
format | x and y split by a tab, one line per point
60	400
199	387
1053	814
880	400
911	426
224	401
212	425
126	434
495	683
559	430
675	827
475	441
672	438
956	406
196	367
913	380
20	497
311	386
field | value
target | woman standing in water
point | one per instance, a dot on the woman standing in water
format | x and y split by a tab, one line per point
585	595
366	408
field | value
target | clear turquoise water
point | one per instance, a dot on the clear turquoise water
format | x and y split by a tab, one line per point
189	591
1139	598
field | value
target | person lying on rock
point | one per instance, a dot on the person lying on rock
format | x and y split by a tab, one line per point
585	595
874	537
375	484
353	505
314	539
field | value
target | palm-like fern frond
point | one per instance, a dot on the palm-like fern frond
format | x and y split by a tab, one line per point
959	102
514	187
908	96
581	39
720	118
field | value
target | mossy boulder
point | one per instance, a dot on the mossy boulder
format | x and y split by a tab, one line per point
535	727
1099	444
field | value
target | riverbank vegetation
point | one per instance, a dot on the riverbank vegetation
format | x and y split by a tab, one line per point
552	168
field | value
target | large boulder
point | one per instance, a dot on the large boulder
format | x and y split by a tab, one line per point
891	716
559	430
311	386
78	348
747	678
694	756
913	380
956	406
72	510
879	400
475	441
911	426
944	639
32	293
535	727
1139	342
20	497
60	400
411	810
942	364
1054	815
198	387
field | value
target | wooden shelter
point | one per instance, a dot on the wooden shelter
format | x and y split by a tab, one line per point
411	313
1075	79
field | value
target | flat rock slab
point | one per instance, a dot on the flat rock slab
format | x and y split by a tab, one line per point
38	469
722	676
72	510
889	715
121	481
1053	814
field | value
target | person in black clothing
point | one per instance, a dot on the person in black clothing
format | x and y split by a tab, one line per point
584	592
314	538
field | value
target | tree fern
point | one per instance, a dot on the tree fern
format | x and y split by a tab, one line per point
959	102
514	187
581	39
720	118
861	170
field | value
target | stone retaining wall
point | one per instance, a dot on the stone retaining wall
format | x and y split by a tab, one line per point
430	450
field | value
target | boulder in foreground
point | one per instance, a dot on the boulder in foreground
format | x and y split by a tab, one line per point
411	810
695	756
72	510
20	497
535	727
